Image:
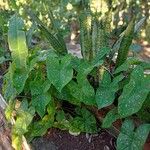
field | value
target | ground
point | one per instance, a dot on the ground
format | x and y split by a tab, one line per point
62	140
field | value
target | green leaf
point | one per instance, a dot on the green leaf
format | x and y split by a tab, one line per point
130	140
39	85
17	42
85	35
19	79
82	92
106	79
134	93
111	117
40	102
144	113
2	59
66	95
40	128
59	71
56	42
85	122
100	55
30	33
125	43
8	89
14	81
105	94
126	65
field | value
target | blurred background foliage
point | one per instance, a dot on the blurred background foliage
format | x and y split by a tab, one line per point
66	13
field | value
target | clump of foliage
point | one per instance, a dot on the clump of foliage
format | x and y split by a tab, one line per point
51	88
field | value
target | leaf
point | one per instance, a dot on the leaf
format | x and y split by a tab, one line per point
85	122
40	102
19	79
85	35
30	33
105	94
144	113
41	56
8	89
126	65
22	122
17	142
111	117
130	140
57	44
39	128
139	25
17	42
39	85
82	92
20	127
59	71
2	59
134	93
66	95
100	55
116	46
14	81
106	79
9	110
125	43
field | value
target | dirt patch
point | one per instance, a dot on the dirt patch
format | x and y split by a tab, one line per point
62	140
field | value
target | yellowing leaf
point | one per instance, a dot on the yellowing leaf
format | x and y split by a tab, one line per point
17	42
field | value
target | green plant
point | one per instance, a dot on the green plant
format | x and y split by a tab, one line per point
42	86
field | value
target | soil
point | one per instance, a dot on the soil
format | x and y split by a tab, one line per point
62	140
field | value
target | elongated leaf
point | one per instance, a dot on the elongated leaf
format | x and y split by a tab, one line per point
17	42
56	42
125	44
30	33
134	93
59	71
116	46
130	140
85	33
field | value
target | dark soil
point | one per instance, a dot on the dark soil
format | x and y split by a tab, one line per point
62	140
